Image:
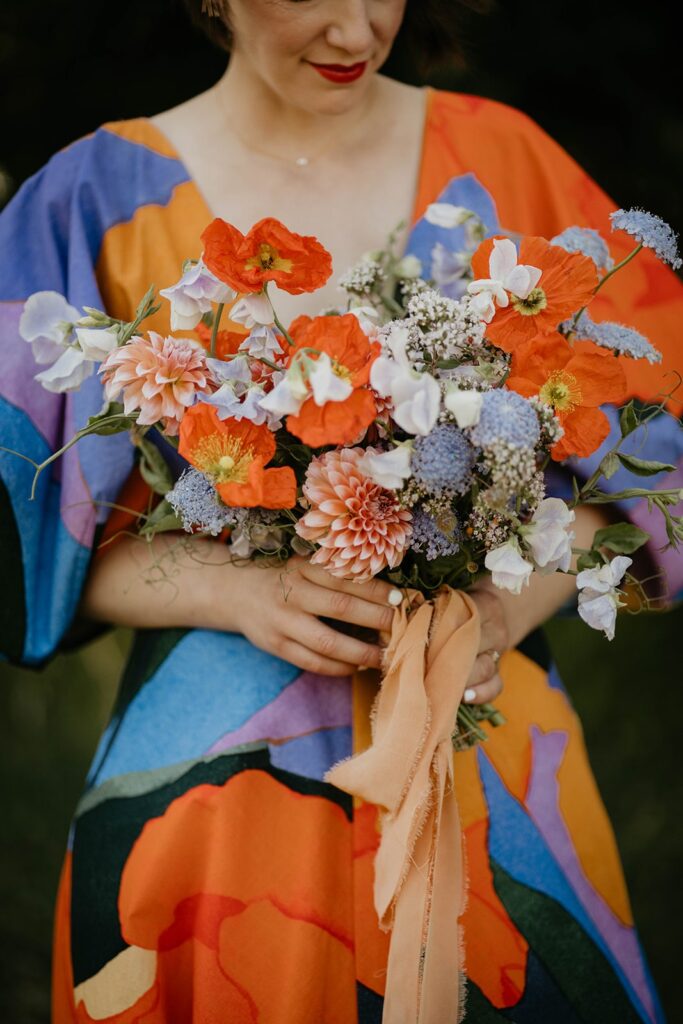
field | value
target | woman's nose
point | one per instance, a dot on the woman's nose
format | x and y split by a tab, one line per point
351	28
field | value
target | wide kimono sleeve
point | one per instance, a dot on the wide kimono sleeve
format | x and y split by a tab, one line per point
50	236
537	188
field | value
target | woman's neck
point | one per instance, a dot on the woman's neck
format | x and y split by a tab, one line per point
259	117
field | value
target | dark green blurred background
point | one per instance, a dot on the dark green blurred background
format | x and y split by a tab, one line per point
603	80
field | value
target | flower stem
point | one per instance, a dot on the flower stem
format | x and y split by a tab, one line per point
603	280
214	329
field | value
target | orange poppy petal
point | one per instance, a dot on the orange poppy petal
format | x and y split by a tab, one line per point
335	422
537	358
601	377
523	386
584	431
480	260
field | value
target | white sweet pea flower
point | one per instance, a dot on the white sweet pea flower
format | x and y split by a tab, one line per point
388	469
67	373
416	398
547	537
97	344
239	543
253	311
464	405
598	597
43	323
262	342
509	570
286	398
193	295
506	275
326	385
446	215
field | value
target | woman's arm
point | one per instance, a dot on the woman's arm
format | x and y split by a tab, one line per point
190	582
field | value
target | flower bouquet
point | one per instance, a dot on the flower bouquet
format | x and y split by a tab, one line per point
409	435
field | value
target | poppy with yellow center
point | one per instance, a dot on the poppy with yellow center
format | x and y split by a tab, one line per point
233	454
574	380
268	252
567	282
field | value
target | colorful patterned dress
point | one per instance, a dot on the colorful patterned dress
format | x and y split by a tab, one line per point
212	876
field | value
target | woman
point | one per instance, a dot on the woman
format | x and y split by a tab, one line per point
212	875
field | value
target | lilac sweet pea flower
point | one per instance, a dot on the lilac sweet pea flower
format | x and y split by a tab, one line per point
194	295
598	597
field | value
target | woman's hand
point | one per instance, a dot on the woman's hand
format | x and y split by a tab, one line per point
484	683
278	611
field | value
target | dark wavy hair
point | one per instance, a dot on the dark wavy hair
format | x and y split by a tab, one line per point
434	31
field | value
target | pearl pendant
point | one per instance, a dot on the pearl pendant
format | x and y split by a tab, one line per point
302	161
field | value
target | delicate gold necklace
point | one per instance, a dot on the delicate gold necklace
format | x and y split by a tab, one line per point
301	161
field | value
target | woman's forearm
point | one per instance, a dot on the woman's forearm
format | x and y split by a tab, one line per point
545	595
168	582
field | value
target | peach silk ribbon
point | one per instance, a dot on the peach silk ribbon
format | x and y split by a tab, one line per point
420	886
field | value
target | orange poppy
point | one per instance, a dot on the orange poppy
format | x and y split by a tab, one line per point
574	380
567	283
268	252
352	354
233	455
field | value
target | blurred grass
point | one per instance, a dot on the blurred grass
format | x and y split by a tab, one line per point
627	694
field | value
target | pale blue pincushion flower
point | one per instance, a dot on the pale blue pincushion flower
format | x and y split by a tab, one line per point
442	460
198	506
434	537
586	241
651	231
624	340
506	416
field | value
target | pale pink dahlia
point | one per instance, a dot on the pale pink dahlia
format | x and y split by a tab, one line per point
159	376
360	526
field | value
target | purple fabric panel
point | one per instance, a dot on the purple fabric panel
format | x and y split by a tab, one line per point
543	806
17	382
309	703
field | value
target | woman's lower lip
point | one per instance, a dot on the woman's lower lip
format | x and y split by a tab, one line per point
340	72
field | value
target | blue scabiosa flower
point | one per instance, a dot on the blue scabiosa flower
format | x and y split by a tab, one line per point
196	502
443	460
588	242
506	416
623	340
651	231
435	536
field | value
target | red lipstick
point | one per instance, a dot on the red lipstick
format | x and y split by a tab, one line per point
340	73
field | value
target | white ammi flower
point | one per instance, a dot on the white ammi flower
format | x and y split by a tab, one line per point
598	597
547	536
509	570
505	275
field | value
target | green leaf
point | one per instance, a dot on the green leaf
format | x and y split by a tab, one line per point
110	420
609	465
644	467
161	519
624	538
628	419
153	467
589	560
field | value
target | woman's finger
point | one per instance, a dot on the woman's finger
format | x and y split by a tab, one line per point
310	661
484	692
484	668
338	604
331	644
376	591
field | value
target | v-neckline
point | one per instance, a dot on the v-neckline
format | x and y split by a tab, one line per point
168	148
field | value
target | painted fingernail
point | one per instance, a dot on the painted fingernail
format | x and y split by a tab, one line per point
469	695
395	597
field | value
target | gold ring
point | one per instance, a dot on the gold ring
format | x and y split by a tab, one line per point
495	656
